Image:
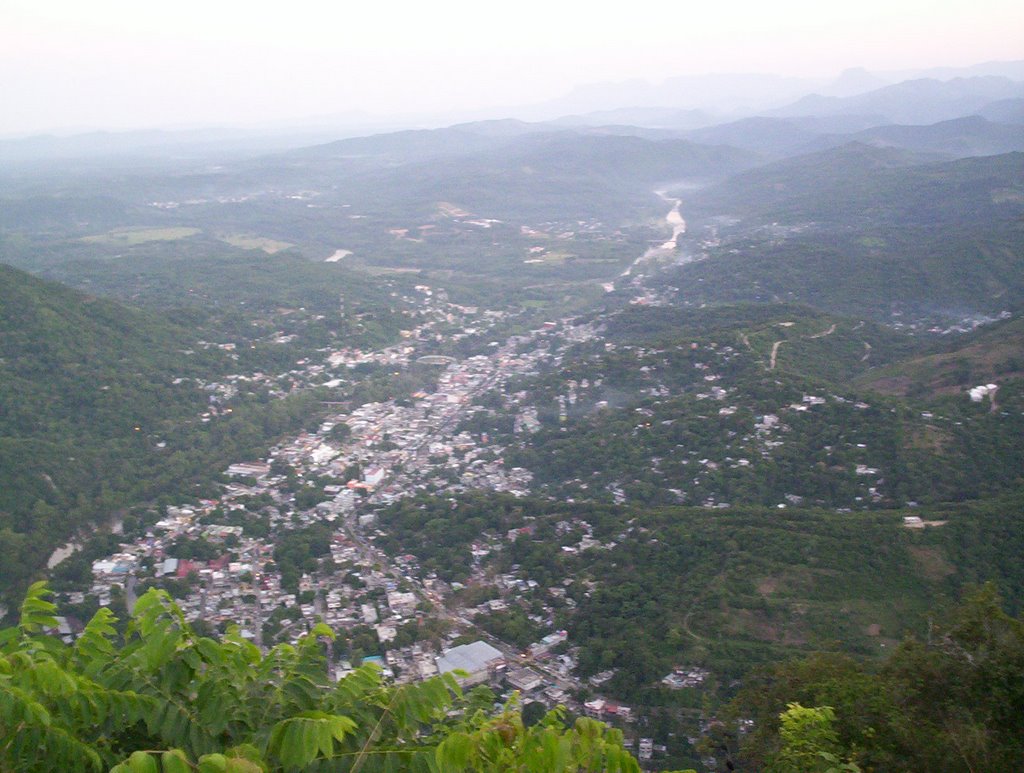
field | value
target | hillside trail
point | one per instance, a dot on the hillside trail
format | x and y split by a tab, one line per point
777	344
693	606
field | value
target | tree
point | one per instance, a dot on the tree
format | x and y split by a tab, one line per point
162	698
533	712
952	703
809	742
340	432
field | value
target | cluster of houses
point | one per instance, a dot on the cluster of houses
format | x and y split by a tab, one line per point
686	676
391	449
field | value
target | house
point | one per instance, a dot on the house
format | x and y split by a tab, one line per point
402	603
525	679
646	748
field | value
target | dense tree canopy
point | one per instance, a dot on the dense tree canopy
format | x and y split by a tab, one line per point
161	698
952	703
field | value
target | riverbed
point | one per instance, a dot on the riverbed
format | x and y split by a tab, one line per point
674	218
115	524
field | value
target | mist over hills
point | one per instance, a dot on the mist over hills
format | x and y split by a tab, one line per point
666	118
731	95
915	102
861	229
571	172
958	137
750	369
389	199
1004	111
775	137
723	93
452	199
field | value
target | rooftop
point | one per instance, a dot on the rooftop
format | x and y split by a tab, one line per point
468	657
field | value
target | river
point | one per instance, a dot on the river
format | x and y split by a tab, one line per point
674	218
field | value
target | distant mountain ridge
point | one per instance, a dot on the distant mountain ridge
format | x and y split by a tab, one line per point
778	137
1004	111
959	137
922	101
737	95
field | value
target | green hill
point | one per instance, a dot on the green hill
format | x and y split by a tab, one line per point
917	101
806	341
87	389
100	407
505	210
861	231
539	176
856	182
765	405
960	138
994	353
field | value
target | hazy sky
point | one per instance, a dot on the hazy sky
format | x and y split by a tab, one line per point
138	63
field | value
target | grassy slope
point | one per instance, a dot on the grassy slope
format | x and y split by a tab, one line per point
994	353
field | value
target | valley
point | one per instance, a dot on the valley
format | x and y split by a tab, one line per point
645	411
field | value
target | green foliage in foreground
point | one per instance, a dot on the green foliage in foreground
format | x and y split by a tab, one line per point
161	698
952	703
809	742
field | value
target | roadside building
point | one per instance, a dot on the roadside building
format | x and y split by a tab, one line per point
479	660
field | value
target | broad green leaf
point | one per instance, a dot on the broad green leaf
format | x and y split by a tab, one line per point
36	612
454	753
174	761
213	763
239	765
141	762
322	629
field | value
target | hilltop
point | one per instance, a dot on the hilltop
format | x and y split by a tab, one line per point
917	101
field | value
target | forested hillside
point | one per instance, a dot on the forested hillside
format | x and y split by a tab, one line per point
949	699
100	407
864	231
731	589
766	405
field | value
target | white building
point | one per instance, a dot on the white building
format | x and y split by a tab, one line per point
479	660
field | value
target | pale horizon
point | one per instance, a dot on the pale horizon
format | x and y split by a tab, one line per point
115	65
